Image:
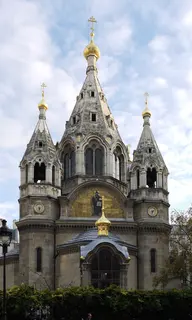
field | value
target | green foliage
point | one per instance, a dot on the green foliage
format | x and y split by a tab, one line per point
109	304
179	264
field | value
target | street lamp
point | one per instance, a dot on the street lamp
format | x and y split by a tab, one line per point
5	240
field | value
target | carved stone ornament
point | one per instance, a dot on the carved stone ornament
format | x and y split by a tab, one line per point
39	208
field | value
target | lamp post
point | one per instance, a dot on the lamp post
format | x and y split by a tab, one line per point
5	240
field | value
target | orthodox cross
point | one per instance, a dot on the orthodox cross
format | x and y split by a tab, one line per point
43	86
146	98
92	20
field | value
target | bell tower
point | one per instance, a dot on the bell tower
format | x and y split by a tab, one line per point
148	188
40	186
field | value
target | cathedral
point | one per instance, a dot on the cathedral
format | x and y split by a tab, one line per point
89	215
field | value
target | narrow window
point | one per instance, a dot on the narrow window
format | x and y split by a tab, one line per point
153	260
92	94
98	162
89	161
53	175
40	144
39	172
150	150
26	173
72	163
81	95
66	166
121	167
93	117
138	178
74	120
38	259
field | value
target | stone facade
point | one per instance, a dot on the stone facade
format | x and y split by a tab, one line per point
58	240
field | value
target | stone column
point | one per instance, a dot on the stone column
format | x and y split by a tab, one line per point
22	176
159	179
133	181
143	178
30	173
48	177
165	182
78	161
109	163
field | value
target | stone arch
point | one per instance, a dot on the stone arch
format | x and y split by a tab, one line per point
81	200
106	265
96	184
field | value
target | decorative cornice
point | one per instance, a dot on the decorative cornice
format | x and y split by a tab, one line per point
152	201
23	186
35	223
153	227
165	192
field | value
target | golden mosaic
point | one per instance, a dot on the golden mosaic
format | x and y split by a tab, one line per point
83	205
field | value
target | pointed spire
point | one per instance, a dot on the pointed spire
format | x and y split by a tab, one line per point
91	49
146	114
103	224
91	114
147	144
41	134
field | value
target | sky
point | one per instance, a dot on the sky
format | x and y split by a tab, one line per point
145	46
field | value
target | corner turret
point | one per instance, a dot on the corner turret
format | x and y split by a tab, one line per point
40	164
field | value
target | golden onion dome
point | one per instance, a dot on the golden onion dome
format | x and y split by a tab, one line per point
102	221
146	112
91	50
42	104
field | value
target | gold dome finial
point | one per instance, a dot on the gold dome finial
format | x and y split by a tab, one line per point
91	48
103	223
146	112
42	104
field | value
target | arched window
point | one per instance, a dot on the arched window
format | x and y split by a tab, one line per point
38	259
151	177
153	260
69	163
105	269
39	172
26	173
89	161
66	166
98	162
94	160
72	163
118	164
53	175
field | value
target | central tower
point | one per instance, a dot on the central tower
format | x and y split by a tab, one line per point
91	147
